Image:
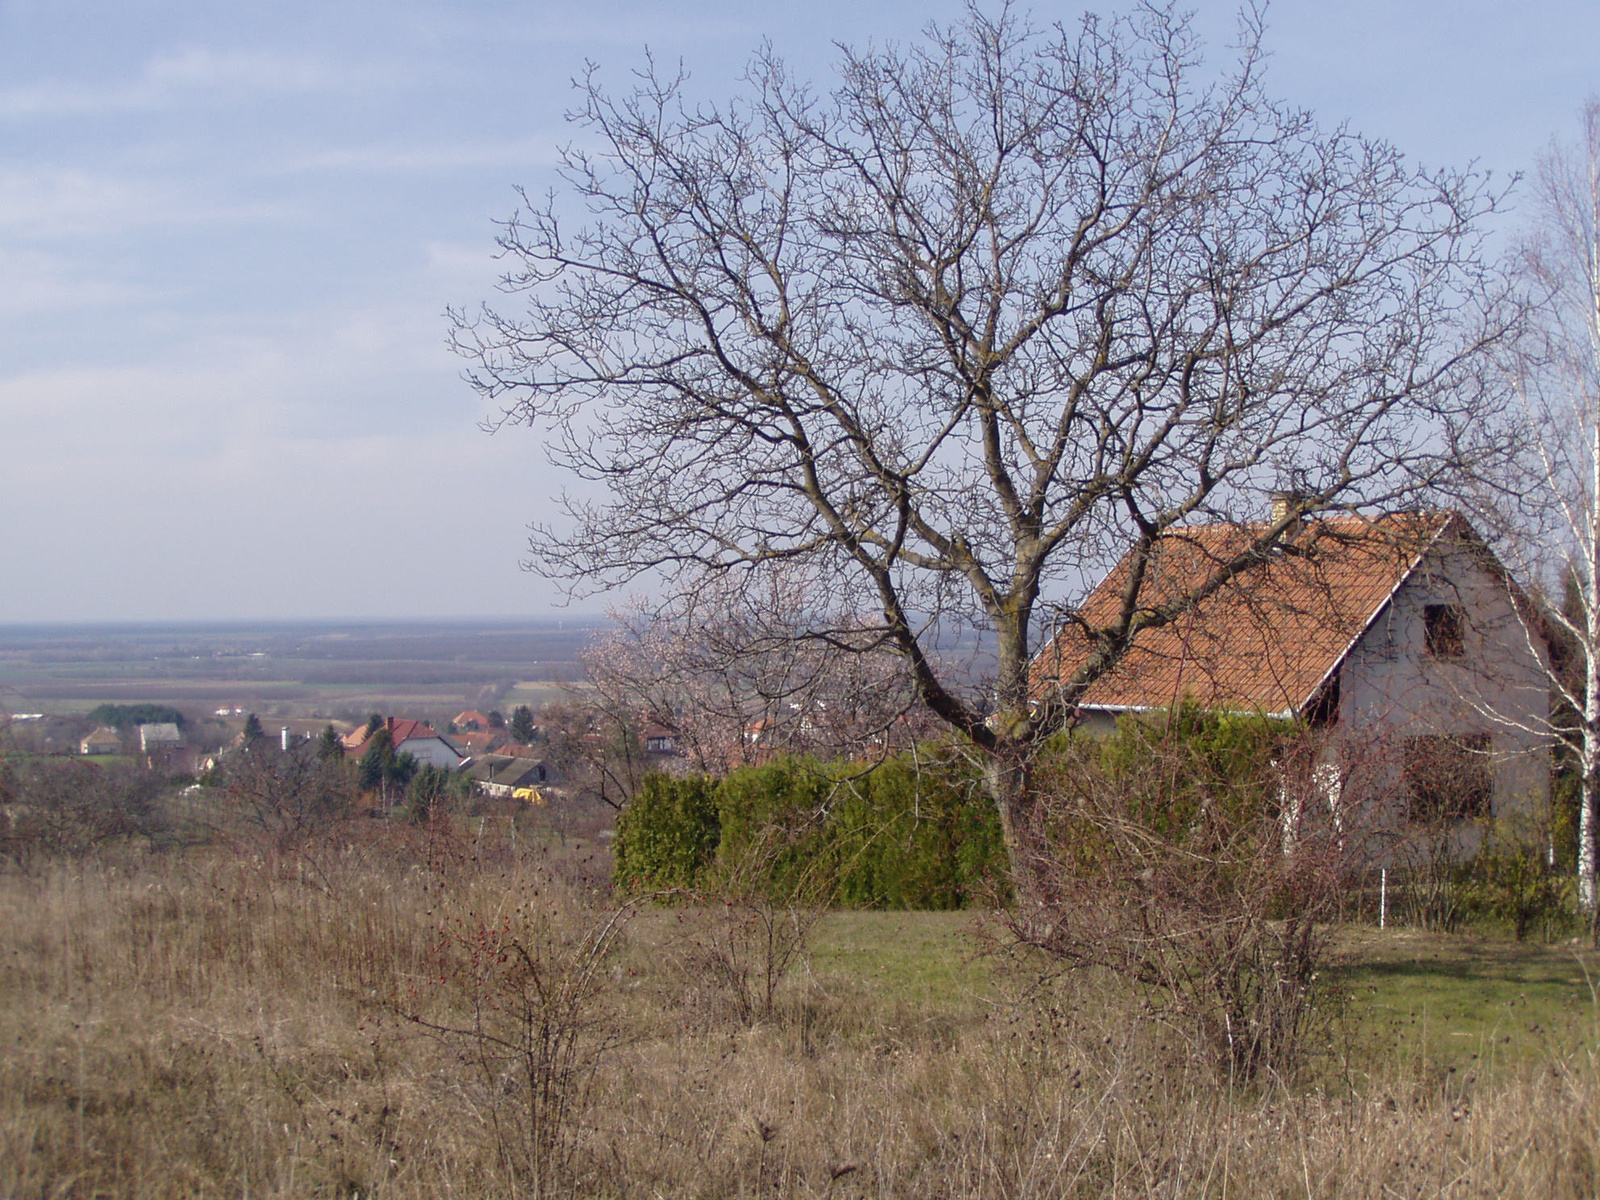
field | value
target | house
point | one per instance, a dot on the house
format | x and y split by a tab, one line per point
470	721
658	739
407	737
103	740
476	741
1400	638
154	738
502	775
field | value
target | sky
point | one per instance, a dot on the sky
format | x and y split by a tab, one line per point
229	234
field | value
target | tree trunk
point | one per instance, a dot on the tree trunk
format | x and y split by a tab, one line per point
1008	779
1588	808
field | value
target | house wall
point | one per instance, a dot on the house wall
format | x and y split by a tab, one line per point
433	751
1392	688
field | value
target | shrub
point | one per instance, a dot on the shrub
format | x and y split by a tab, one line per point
667	836
1170	872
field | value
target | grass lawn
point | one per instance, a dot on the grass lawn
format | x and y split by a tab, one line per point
1448	998
1435	1001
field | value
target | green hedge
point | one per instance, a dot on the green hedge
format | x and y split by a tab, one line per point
899	834
917	832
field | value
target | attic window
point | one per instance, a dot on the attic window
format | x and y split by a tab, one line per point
1444	627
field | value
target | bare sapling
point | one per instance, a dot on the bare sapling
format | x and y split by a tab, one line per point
522	997
752	929
1549	506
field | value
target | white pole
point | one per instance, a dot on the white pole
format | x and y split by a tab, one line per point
1383	897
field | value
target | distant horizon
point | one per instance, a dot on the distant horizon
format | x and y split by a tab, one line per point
162	623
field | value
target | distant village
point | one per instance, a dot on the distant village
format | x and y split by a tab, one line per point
502	758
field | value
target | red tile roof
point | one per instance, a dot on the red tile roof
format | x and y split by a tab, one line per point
401	730
1269	639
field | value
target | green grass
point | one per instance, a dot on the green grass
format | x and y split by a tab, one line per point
926	959
535	693
1449	998
1433	999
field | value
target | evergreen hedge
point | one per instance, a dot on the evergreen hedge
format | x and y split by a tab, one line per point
900	834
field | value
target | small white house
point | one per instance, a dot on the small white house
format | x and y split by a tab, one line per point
103	740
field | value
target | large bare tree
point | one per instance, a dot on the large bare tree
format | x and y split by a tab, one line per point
1555	369
1002	304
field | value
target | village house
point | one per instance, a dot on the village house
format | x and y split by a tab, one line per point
160	737
407	737
1400	639
502	775
103	740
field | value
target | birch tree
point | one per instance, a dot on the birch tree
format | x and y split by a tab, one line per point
1001	306
1556	373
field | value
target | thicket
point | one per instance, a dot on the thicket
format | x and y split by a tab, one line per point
126	716
908	833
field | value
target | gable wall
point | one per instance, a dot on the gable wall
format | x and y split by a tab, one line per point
431	750
1391	688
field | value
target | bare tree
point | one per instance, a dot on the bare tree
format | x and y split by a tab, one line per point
742	668
1002	304
1556	373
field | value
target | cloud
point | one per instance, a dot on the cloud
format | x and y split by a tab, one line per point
37	283
528	152
43	201
333	466
168	80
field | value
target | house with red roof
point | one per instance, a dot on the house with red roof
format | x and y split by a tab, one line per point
415	738
477	741
1400	637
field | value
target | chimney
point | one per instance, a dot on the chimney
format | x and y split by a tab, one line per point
1284	503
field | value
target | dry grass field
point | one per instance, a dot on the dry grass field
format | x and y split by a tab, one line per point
400	1013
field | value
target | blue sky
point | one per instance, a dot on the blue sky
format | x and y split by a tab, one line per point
228	234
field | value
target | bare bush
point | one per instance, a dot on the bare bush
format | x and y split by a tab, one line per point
747	934
1172	875
65	808
521	998
288	795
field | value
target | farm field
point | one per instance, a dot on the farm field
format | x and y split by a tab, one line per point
300	669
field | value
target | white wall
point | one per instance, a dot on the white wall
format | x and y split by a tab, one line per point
1391	688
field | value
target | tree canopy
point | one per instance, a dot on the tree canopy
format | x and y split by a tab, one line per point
126	716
